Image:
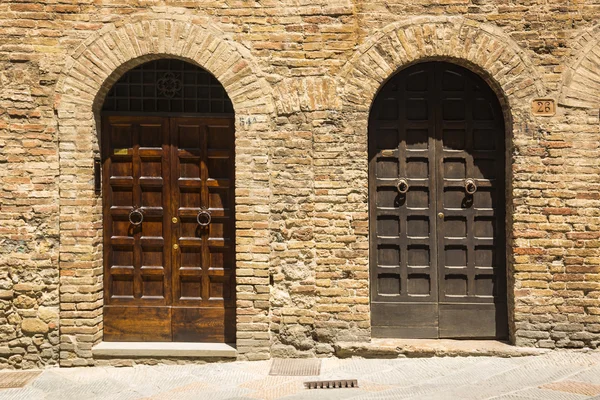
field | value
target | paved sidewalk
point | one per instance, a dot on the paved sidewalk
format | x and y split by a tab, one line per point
560	375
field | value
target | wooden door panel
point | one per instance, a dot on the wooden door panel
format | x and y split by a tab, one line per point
204	266
221	233
137	324
204	324
473	320
135	176
405	320
121	272
188	137
403	226
169	168
472	221
472	305
204	295
136	262
435	126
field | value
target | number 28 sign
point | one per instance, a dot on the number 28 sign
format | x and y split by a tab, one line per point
543	107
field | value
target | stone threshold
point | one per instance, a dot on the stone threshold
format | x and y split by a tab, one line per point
163	349
398	348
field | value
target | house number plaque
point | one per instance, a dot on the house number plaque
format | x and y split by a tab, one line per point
543	107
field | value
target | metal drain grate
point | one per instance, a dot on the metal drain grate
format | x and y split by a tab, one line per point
337	384
295	367
11	380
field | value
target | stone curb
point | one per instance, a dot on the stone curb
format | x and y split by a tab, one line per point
415	348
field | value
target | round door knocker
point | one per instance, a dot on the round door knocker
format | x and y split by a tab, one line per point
470	186
204	218
402	186
136	217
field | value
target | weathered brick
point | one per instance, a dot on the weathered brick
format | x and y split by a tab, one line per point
302	81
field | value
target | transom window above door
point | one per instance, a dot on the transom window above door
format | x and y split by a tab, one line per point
168	86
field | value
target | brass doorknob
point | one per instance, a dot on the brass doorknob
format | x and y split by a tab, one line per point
441	215
175	246
174	219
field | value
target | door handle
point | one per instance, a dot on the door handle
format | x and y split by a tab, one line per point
470	186
136	217
402	186
204	218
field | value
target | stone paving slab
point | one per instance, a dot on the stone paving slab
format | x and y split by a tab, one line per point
558	375
17	379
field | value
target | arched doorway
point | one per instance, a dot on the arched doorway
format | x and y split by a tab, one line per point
437	206
168	206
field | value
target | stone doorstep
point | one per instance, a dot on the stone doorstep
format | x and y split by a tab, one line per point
394	348
163	349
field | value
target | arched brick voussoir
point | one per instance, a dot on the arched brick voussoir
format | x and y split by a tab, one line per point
88	74
102	59
484	48
581	80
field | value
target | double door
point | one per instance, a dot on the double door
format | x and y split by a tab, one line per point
169	229
436	185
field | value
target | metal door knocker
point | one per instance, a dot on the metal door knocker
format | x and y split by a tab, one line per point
402	186
204	217
470	186
136	217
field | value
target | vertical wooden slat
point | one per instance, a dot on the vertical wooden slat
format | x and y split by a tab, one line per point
204	203
145	314
106	144
402	174
137	202
469	98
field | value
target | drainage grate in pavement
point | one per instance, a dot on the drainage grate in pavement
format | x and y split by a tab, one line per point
295	367
10	380
583	388
338	384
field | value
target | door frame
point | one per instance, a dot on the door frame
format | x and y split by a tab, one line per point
507	197
80	92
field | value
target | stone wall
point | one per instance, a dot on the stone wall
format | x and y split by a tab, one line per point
29	229
301	76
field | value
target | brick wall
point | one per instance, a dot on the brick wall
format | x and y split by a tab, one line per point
302	76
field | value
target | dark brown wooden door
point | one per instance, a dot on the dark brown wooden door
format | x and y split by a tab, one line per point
436	187
169	259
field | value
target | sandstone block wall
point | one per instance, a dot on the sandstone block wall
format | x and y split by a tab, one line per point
301	76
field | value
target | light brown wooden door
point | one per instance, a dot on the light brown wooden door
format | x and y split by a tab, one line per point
202	201
436	186
169	258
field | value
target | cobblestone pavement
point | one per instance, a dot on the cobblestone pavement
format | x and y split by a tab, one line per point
560	375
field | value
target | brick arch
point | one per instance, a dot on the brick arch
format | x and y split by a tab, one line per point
581	80
103	58
89	72
483	48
